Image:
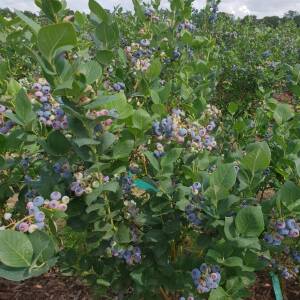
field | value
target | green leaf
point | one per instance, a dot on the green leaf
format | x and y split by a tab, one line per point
99	11
42	269
2	143
100	101
14	118
53	37
233	107
4	70
13	274
159	109
33	25
216	193
155	97
104	56
43	246
103	282
108	34
229	229
79	19
235	261
51	8
58	143
13	87
218	294
153	161
122	57
250	221
289	193
141	120
283	112
91	70
116	101
16	249
138	10
154	70
258	157
24	108
107	140
137	276
123	149
123	234
170	158
297	165
224	176
85	141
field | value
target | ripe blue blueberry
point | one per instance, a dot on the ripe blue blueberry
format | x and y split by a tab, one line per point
39	216
38	201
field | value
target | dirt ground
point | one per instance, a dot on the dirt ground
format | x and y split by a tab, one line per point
55	286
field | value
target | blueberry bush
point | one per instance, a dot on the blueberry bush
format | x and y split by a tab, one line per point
154	154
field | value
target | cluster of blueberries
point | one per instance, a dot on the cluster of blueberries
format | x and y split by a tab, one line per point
131	255
5	126
282	229
85	183
126	183
159	151
148	12
140	54
206	277
131	210
25	162
57	202
119	86
176	128
192	210
186	25
102	125
296	256
50	114
135	233
287	272
63	169
214	12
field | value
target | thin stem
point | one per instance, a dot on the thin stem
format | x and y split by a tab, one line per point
15	223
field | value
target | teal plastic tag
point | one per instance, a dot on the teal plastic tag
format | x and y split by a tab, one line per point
143	185
276	286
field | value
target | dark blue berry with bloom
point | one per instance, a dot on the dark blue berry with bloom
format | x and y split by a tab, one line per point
206	278
280	230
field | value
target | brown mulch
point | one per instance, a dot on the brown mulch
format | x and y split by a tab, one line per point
263	289
58	287
46	287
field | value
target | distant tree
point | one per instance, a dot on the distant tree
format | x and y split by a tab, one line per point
30	14
225	16
6	12
249	19
297	20
272	21
291	14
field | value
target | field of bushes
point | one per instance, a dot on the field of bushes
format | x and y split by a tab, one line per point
153	154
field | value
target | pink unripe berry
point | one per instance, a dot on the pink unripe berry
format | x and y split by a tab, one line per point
108	122
23	226
62	207
38	94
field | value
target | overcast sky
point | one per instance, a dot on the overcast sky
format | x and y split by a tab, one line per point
241	8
